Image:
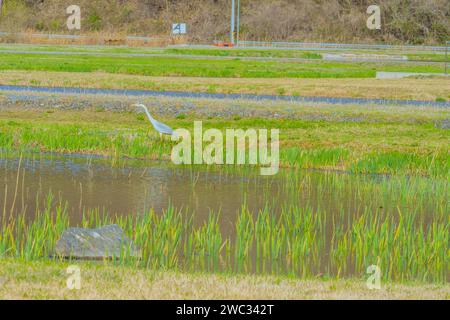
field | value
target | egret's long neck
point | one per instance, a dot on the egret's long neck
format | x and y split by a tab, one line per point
148	114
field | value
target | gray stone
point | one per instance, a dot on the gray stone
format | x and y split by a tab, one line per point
101	243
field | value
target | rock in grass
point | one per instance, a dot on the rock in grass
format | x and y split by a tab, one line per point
102	243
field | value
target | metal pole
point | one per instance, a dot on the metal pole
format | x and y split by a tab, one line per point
1	7
233	11
238	21
446	55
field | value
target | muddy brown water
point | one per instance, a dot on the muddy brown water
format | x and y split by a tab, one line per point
130	187
86	183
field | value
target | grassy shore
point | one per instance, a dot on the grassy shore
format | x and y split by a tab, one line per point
47	280
430	89
337	138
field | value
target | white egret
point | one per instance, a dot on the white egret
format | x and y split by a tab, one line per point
160	127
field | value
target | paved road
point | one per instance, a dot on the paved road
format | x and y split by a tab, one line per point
201	95
399	75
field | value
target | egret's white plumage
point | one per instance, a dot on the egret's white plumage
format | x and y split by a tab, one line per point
160	127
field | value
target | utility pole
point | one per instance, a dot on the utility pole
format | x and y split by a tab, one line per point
238	21
232	23
447	43
235	20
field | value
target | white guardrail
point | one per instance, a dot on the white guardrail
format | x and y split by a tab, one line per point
347	46
262	44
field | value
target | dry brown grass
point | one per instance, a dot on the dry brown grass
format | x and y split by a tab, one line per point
420	89
47	280
94	38
277	20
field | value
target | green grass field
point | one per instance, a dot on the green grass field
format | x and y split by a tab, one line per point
184	67
203	67
410	142
217	52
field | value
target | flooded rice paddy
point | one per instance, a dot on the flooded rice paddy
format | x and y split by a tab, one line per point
304	223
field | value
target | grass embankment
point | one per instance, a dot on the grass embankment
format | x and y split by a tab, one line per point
415	89
279	53
195	67
219	52
47	280
215	52
397	141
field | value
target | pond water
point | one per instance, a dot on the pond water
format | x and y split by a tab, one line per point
93	183
134	187
319	211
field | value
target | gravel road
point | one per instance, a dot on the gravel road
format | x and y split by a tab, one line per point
220	96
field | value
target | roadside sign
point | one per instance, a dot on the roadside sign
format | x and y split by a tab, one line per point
179	28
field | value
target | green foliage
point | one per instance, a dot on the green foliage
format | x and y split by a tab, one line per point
401	155
168	66
290	237
192	67
94	21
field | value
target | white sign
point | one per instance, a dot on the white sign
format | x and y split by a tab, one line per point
179	28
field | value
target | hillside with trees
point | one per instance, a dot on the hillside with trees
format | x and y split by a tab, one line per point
403	21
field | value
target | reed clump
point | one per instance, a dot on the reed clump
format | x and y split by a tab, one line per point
301	241
144	143
324	225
